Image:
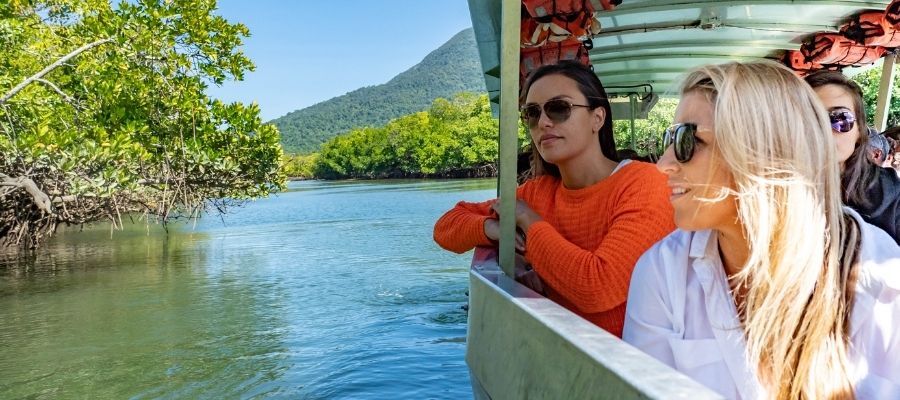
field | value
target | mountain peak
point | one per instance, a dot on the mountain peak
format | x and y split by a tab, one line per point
451	68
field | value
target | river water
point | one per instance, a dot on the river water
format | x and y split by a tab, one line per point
326	291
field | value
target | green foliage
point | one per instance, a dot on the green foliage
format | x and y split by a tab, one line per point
452	68
454	137
129	128
300	166
870	81
648	132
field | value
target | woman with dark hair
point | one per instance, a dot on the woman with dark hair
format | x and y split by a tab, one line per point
871	190
586	216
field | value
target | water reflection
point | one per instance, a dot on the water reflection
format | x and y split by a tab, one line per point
328	290
127	315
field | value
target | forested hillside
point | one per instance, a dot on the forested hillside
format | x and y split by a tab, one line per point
452	68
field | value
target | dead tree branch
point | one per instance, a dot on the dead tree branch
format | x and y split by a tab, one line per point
40	198
65	96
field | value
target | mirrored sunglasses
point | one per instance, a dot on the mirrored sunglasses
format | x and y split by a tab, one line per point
842	120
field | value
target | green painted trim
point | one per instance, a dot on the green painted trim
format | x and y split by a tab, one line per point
509	127
699	54
598	52
787	29
627	8
888	73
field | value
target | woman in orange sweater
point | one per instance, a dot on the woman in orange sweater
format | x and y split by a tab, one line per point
587	217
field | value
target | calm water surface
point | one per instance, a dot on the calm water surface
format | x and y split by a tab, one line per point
329	290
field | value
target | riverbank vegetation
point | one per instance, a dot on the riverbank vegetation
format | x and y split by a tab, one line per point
453	138
103	114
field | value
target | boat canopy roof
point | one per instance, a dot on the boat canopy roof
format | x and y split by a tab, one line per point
644	46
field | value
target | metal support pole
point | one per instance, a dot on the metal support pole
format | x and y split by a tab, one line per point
632	98
509	125
884	92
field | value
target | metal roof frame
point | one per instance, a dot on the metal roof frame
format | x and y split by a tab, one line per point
656	41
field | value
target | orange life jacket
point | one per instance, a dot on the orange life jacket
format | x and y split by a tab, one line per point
579	25
892	14
546	8
557	21
871	29
558	28
534	34
552	53
797	62
830	48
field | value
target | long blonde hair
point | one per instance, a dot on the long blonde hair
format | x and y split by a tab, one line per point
773	135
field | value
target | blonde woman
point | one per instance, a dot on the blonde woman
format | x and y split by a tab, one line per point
769	288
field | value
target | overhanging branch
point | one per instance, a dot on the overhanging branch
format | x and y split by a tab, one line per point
40	198
51	67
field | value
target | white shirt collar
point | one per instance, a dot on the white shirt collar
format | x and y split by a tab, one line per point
726	327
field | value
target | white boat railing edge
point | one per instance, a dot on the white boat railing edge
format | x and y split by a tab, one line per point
561	356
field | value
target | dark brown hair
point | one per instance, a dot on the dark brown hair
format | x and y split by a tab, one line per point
592	89
893	134
858	172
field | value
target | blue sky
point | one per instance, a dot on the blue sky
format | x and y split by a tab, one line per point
307	51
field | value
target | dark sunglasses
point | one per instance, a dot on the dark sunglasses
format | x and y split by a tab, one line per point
681	136
558	110
842	120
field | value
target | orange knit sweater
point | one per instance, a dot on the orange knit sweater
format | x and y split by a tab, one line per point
589	240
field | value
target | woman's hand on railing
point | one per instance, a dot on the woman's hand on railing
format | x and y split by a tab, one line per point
525	216
492	231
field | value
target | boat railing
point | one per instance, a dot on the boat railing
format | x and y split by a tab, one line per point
553	352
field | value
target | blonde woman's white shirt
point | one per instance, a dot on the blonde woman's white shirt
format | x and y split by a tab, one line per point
680	311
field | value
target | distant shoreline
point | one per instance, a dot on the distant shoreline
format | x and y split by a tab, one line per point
484	171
